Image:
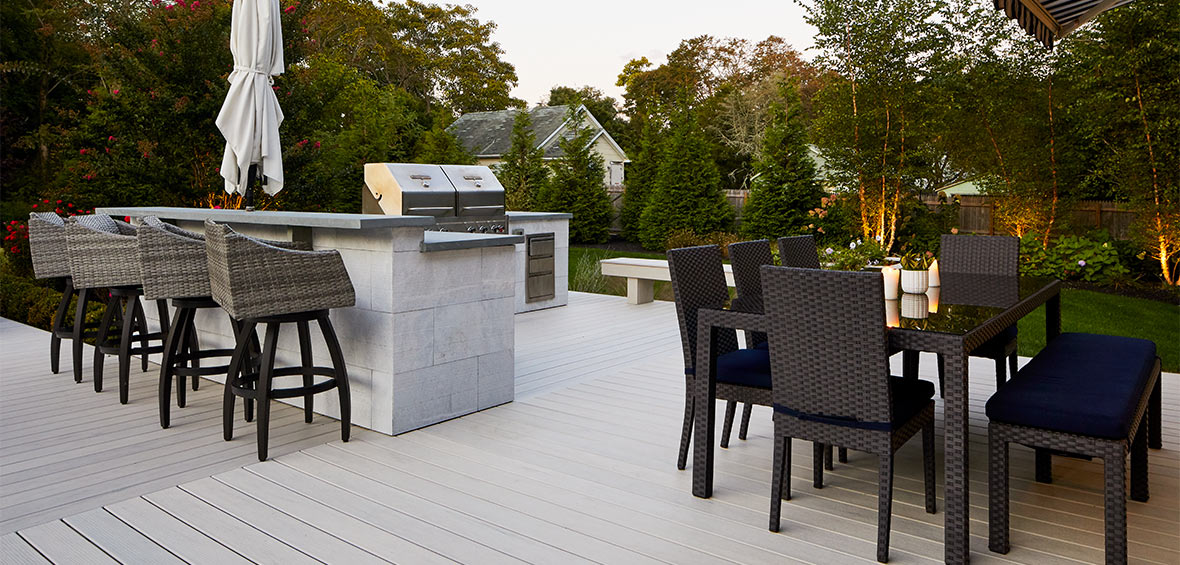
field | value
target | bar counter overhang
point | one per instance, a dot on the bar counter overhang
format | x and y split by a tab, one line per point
431	335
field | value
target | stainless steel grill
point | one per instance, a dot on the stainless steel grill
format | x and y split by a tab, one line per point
459	197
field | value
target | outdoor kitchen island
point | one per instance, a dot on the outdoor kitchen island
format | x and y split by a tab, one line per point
431	335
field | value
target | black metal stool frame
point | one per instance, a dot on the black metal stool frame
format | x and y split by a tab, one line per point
133	327
257	385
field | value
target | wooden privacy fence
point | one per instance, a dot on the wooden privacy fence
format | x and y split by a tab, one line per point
975	212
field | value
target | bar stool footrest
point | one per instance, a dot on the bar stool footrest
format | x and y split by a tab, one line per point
244	385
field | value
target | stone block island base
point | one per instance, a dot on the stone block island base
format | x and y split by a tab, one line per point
431	335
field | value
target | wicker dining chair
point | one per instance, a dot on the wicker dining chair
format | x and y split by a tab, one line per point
51	260
798	251
174	266
259	283
984	255
104	253
743	375
830	370
746	258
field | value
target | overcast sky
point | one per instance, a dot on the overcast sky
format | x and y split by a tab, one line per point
568	43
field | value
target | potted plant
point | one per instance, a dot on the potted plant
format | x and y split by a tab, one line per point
915	274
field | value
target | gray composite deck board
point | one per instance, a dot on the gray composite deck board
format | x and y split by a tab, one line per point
580	468
65	449
14	550
117	539
61	544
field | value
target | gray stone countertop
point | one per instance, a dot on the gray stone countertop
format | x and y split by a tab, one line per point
274	218
449	241
539	215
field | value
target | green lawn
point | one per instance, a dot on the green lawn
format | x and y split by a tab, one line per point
1101	313
1081	310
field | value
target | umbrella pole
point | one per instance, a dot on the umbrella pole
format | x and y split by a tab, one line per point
251	176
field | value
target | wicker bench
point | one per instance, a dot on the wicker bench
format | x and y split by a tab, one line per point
1091	395
641	275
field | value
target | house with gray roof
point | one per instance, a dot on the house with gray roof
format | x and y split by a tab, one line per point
488	136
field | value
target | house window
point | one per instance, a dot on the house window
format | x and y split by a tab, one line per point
615	173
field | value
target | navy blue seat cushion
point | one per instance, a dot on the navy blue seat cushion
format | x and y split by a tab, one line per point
1083	384
746	367
909	397
994	347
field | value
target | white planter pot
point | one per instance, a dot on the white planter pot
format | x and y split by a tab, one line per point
915	282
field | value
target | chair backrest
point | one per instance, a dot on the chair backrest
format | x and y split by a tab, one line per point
828	343
747	259
698	281
172	261
798	251
980	255
47	245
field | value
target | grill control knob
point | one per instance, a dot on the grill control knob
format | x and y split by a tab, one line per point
483	229
470	229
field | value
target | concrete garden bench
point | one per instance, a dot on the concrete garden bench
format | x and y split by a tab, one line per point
641	275
1085	394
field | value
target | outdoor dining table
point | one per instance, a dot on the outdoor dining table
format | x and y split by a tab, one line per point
971	309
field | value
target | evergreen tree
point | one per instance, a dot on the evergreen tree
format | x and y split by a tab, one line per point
784	186
641	174
577	185
522	172
687	192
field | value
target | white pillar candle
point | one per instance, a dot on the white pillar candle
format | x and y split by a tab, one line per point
890	274
934	273
932	296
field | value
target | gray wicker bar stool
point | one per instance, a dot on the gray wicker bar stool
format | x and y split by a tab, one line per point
104	253
51	260
175	267
259	283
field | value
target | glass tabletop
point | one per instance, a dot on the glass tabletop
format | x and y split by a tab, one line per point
962	303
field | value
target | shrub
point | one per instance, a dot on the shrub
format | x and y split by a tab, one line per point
835	221
686	238
1072	258
852	257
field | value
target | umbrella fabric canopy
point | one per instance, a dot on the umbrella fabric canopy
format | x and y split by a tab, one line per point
1049	20
250	116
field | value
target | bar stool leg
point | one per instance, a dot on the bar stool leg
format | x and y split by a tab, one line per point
79	324
244	331
341	372
181	328
104	327
194	347
307	363
59	322
165	385
131	315
262	389
255	355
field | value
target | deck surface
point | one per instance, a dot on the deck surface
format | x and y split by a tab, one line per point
581	468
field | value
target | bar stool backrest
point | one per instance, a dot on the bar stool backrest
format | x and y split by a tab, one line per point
253	278
827	343
103	252
172	261
47	245
798	251
980	255
698	281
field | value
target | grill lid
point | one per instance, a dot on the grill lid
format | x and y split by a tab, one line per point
410	189
478	191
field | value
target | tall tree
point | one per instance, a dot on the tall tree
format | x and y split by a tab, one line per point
522	171
577	185
641	175
784	186
687	193
1127	70
870	121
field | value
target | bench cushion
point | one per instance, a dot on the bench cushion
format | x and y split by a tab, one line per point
746	367
1083	384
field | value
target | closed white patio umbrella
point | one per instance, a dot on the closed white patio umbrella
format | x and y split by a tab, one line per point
250	116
